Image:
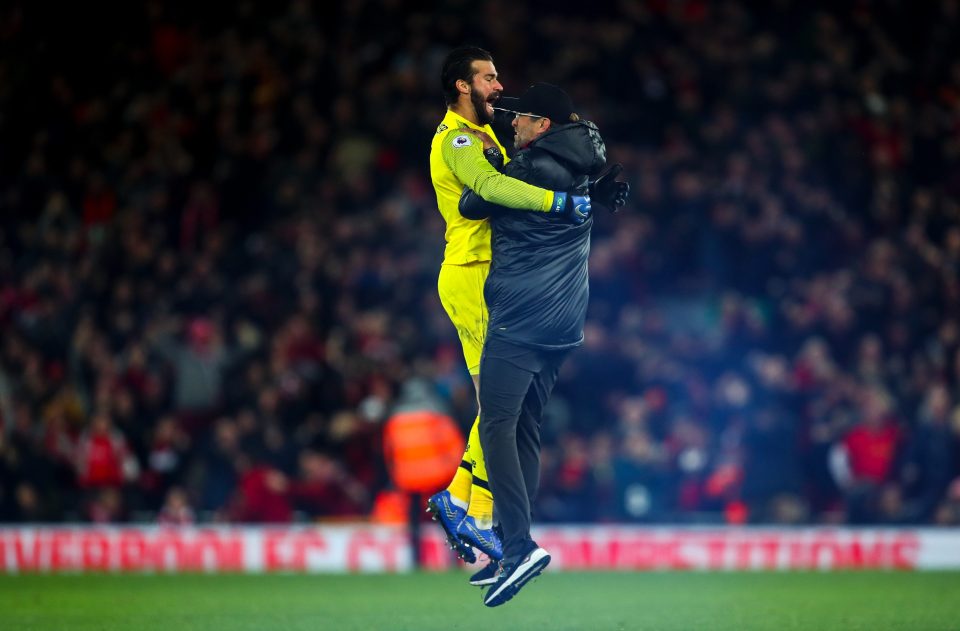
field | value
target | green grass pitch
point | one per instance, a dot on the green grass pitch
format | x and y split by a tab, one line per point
421	602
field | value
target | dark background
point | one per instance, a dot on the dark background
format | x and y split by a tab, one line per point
219	247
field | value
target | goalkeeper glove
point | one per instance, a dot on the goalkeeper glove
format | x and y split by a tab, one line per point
576	208
607	191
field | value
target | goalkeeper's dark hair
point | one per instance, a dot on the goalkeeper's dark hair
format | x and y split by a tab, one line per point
459	65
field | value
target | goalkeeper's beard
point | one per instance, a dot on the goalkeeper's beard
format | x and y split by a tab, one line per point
480	107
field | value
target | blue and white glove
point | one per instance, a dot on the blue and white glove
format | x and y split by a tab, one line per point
576	208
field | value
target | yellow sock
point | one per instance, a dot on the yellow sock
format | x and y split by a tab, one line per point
463	479
460	485
481	504
481	500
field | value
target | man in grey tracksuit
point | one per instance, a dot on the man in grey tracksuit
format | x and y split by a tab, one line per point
536	294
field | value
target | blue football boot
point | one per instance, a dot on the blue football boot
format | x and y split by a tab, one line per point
449	515
483	539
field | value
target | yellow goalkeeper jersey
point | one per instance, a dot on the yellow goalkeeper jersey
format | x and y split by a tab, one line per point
457	160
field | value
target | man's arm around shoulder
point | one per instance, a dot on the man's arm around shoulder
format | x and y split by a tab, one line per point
473	206
463	153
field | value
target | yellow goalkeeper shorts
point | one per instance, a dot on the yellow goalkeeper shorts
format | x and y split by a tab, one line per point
461	293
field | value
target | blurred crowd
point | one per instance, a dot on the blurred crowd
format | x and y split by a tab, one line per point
219	247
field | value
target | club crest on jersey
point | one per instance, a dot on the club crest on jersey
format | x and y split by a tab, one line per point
462	140
442	128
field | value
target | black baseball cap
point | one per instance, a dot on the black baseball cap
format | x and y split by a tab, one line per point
541	99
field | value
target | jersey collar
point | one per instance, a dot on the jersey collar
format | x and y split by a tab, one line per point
456	118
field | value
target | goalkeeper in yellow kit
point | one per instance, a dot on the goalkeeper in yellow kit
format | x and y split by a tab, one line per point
457	159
